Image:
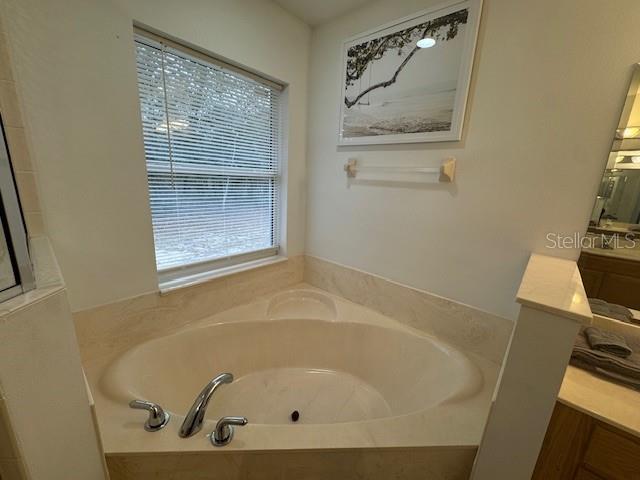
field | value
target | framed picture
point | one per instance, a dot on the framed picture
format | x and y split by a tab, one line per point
408	81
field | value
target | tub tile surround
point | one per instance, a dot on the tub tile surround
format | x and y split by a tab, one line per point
18	319
13	469
6	72
48	279
11	113
107	330
447	433
456	422
471	329
8	443
340	465
15	131
452	429
11	464
41	346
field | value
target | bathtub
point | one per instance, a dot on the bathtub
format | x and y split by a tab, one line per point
358	380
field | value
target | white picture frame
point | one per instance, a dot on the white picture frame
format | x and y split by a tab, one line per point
436	111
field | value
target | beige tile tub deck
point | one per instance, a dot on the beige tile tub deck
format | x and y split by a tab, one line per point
453	425
448	434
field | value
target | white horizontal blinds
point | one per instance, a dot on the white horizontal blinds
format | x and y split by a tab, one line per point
211	140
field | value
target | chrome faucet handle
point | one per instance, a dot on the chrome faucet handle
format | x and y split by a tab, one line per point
223	433
195	417
157	419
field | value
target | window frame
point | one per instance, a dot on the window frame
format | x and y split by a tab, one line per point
173	277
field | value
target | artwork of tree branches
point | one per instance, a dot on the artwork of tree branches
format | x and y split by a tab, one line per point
360	56
393	87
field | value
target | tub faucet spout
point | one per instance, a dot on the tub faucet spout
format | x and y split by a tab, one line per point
194	419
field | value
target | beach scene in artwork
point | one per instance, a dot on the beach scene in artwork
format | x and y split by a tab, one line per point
394	87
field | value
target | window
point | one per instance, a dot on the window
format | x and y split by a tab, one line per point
212	147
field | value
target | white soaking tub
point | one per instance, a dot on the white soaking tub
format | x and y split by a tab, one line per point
358	379
330	372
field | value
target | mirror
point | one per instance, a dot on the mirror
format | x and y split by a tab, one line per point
610	258
618	202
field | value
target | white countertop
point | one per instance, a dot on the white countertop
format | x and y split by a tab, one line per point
609	402
623	253
623	248
554	285
598	397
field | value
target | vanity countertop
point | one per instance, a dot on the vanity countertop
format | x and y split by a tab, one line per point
609	402
624	253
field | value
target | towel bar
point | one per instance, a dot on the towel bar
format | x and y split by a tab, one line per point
446	171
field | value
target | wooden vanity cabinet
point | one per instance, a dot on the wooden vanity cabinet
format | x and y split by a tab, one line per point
579	447
615	280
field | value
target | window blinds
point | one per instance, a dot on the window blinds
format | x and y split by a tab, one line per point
211	137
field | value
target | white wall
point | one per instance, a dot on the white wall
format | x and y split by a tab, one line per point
76	71
548	88
43	390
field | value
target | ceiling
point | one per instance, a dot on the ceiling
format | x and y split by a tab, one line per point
315	12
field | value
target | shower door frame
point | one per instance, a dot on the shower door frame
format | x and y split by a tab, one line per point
14	227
